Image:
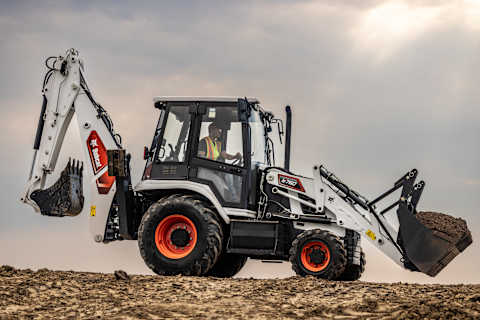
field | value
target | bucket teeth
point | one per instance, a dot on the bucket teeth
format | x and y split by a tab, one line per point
74	167
64	197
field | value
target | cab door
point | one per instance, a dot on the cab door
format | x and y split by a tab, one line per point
226	176
171	155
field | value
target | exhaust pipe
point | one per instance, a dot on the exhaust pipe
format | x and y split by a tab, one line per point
288	133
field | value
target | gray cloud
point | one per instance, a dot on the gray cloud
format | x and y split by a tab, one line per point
367	103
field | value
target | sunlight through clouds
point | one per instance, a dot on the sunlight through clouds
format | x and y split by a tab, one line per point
472	14
388	27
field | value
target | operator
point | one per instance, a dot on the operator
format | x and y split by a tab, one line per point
210	147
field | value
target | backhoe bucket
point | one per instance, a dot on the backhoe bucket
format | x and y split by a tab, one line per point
65	197
430	240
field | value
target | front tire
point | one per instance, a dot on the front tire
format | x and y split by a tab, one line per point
180	235
318	253
352	271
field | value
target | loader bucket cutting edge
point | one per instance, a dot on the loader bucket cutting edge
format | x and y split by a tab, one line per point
429	250
64	197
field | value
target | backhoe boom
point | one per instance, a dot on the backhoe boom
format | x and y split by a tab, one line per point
66	93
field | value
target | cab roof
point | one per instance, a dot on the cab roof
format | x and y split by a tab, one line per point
202	99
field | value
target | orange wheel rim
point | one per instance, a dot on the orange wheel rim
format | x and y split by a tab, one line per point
315	256
175	236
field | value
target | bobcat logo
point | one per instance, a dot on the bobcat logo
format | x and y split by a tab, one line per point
99	160
97	151
290	182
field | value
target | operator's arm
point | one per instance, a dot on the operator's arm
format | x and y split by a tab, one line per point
227	156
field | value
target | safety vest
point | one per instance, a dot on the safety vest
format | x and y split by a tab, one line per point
213	148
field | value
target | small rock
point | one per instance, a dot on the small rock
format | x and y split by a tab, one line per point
475	298
121	275
7	269
21	291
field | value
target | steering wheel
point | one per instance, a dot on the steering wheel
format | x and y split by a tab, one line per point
238	162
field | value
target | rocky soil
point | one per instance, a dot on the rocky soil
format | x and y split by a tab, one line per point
44	294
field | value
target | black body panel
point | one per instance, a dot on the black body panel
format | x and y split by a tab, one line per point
169	171
269	240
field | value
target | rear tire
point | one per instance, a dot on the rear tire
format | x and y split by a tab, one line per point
180	235
318	253
228	265
352	271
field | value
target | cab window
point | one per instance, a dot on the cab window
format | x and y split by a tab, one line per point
220	136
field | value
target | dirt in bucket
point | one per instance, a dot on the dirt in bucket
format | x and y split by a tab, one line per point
453	229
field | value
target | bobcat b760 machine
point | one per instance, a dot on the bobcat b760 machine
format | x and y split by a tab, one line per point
209	196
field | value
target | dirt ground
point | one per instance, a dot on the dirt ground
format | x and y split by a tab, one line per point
44	294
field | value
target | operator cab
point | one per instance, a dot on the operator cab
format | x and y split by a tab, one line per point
216	141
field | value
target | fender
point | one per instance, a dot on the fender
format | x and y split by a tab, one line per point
202	189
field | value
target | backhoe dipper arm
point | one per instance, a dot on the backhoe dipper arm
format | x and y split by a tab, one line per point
65	92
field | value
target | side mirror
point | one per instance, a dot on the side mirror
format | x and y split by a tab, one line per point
146	153
281	133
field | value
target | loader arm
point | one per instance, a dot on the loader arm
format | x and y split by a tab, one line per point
65	92
326	202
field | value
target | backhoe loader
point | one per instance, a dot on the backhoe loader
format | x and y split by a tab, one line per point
211	196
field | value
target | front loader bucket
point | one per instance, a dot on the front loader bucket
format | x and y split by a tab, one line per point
64	197
430	240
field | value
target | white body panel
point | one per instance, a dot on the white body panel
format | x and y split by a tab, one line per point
203	189
88	122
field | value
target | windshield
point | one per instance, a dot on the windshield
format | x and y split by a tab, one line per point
175	135
257	137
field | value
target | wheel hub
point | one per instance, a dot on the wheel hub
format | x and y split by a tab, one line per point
317	256
180	237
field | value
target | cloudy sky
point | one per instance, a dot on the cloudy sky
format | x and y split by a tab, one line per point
377	88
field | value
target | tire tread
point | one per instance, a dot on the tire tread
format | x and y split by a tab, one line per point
352	271
214	235
338	253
